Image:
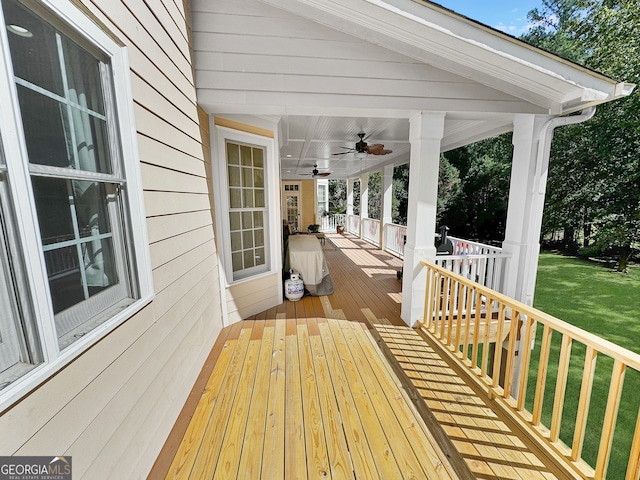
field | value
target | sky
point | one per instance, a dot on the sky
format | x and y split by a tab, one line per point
509	16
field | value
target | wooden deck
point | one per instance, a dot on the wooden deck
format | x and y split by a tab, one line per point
304	391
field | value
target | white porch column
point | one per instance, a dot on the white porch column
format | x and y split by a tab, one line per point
350	182
425	134
526	202
386	214
364	200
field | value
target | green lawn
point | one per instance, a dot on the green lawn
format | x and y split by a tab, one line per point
606	303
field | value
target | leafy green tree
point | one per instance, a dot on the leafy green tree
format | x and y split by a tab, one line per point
594	172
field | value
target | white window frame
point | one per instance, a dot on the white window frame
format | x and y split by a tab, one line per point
221	187
26	225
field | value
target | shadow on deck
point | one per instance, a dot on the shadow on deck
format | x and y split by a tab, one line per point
303	391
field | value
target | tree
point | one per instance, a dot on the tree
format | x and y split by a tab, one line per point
594	171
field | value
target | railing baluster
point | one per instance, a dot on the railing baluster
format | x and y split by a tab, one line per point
461	305
524	366
511	353
583	404
476	330
561	387
452	308
487	332
633	467
471	293
543	366
428	301
610	416
497	355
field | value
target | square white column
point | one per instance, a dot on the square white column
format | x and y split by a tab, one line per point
386	211
425	134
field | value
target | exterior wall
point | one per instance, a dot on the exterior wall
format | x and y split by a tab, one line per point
113	407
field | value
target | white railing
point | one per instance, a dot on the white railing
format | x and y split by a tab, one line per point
476	261
353	224
394	238
331	222
486	269
467	247
371	230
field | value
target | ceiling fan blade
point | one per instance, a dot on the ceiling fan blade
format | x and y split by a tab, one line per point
378	149
323	174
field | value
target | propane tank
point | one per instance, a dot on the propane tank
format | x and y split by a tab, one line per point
294	287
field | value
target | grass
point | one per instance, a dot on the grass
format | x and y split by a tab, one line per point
606	303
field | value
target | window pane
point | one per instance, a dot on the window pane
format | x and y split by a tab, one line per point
234	176
237	261
245	155
258	177
91	208
259	237
248	258
247	220
46	125
236	241
258	219
247	177
247	239
258	160
53	202
99	265
259	257
83	77
233	154
247	198
234	220
259	198
65	278
35	58
235	198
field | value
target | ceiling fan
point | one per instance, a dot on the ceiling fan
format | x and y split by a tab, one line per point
315	173
362	147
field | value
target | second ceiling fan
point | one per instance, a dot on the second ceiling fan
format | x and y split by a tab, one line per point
361	147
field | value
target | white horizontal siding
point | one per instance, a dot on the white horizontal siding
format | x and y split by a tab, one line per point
253	56
252	297
113	407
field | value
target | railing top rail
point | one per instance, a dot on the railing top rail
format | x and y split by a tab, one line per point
606	347
467	256
471	242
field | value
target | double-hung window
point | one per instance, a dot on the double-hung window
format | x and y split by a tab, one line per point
73	253
245	204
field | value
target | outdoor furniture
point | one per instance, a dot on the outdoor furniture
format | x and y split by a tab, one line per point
305	256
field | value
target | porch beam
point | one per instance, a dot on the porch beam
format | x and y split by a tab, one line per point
426	131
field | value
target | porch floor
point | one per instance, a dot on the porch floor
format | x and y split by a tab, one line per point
303	391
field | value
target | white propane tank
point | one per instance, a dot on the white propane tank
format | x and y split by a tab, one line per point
294	287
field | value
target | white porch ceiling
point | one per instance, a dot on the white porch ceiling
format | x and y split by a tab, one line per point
332	69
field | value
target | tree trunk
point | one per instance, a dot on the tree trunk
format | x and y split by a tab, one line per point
623	261
587	234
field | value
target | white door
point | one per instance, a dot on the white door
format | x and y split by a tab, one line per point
291	205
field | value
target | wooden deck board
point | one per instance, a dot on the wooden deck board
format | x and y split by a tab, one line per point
303	391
